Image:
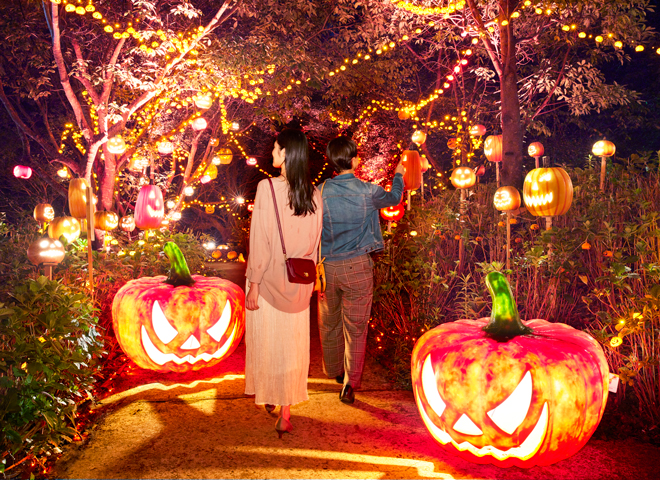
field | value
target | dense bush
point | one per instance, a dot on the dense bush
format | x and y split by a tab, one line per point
597	269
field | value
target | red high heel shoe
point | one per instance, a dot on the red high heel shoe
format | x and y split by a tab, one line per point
269	407
283	426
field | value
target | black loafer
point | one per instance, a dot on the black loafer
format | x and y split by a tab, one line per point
347	394
340	379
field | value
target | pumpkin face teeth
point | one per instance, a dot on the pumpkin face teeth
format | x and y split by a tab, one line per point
507	416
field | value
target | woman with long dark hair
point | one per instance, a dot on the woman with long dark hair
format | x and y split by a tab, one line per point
277	320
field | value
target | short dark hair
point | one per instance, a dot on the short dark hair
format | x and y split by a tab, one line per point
301	189
341	151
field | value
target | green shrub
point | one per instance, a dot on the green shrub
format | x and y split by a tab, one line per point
49	353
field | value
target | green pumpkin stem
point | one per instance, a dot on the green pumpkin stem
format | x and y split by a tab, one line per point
179	274
504	319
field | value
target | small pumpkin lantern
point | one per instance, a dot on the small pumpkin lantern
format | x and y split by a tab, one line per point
225	155
506	199
463	177
403	114
45	250
181	322
412	179
116	145
68	227
477	130
393	213
149	208
22	171
418	137
127	223
535	149
217	253
214	141
210	209
251	161
547	192
106	221
211	172
493	148
165	148
203	101
44	213
603	148
453	143
512	393
199	123
232	255
78	197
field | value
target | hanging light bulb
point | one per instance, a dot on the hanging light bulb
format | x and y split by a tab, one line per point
189	190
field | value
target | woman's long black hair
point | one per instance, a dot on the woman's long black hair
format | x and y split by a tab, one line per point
301	190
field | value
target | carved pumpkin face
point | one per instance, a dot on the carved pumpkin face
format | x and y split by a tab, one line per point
165	148
603	148
45	250
116	145
149	208
392	214
203	101
463	177
453	143
506	198
547	192
225	155
418	137
44	213
78	197
127	223
167	328
535	149
531	400
105	220
477	130
493	148
68	227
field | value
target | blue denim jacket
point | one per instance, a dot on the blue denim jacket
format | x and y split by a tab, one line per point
350	215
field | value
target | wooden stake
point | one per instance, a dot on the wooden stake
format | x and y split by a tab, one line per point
461	246
536	161
508	240
409	200
90	236
603	168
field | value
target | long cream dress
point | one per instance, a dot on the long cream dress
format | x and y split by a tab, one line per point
277	334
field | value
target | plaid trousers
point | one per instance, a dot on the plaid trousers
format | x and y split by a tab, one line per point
343	316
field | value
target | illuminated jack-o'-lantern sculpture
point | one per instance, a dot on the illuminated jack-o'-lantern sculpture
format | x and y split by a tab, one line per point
251	161
78	197
403	114
463	177
106	221
493	148
22	171
199	123
477	130
535	149
547	192
211	171
116	145
603	148
392	214
424	164
210	209
506	199
453	143
181	322
502	391
225	155
44	213
68	227
214	142
418	137
203	101
149	208
165	148
45	250
127	223
412	179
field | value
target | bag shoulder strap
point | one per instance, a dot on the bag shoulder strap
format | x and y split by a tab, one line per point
277	215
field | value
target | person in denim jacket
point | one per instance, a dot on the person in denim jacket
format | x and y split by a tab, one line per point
351	231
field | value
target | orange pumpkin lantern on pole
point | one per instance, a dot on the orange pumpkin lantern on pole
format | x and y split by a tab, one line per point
512	393
603	149
68	227
548	192
127	223
44	213
106	221
535	150
505	200
463	177
477	130
181	322
412	179
149	208
418	137
78	197
493	148
393	213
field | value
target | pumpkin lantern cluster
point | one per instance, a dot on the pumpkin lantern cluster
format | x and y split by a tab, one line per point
181	322
512	393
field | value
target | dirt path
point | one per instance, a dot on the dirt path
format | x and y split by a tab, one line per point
173	426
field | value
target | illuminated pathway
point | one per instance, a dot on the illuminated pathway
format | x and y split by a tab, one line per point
169	428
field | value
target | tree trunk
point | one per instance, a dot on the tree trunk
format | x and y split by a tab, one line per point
107	183
512	132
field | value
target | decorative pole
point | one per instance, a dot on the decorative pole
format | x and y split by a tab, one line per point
90	236
603	149
507	199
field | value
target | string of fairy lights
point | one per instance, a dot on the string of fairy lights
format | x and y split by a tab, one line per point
183	44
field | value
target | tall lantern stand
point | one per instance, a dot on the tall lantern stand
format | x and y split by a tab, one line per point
603	149
493	152
535	150
462	178
507	199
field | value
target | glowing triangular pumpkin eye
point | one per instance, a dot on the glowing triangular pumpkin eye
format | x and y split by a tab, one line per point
466	426
164	330
218	330
430	388
511	413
